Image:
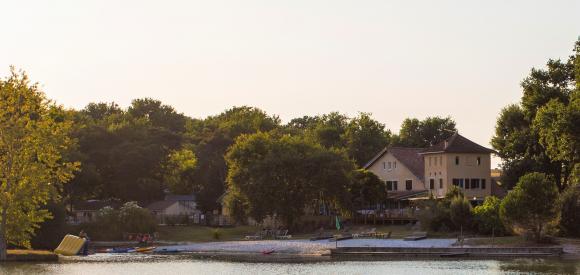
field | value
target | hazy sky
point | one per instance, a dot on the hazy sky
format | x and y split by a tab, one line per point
394	59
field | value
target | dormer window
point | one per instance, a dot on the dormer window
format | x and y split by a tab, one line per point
456	160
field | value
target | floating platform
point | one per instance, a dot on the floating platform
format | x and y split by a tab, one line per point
445	252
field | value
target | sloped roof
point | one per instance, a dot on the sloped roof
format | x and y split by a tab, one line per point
409	157
400	195
94	205
160	205
171	197
457	144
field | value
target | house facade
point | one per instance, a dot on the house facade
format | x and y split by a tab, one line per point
175	209
412	173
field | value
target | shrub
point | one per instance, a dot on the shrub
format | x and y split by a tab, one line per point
460	212
486	217
216	234
569	208
136	219
530	205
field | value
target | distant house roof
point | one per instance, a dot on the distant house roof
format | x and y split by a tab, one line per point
409	157
94	205
161	205
457	144
407	194
171	197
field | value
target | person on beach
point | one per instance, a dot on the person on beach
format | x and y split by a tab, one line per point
85	249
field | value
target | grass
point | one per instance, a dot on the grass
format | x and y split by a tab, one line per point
204	233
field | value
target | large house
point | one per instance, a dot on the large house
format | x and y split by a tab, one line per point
412	173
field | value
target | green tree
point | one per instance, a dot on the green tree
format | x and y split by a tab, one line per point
487	217
212	137
134	218
180	172
280	175
364	137
424	133
34	136
541	133
569	208
531	204
460	212
366	190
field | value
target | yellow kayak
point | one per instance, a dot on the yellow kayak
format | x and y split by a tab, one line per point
144	249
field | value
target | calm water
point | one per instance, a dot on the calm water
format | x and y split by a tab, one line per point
155	265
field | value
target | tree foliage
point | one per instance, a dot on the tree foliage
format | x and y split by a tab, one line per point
281	175
34	136
180	169
531	204
541	133
425	133
486	217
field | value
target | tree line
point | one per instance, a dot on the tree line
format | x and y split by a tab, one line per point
104	151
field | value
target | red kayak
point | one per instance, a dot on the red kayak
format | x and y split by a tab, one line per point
268	252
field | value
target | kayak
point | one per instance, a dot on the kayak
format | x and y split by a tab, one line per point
168	250
268	252
144	249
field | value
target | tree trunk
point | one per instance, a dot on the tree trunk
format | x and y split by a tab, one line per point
3	236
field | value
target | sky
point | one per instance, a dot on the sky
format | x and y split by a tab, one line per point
394	59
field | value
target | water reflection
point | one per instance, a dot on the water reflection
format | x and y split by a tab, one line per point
180	265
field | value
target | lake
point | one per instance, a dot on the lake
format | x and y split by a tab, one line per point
184	265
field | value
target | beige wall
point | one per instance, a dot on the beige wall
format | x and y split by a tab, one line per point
436	169
468	168
400	173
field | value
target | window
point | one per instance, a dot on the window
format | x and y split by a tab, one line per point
440	183
395	186
394	164
409	184
474	183
455	182
432	184
482	183
466	183
456	160
478	161
384	165
461	183
389	185
389	165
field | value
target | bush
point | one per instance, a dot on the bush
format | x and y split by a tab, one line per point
531	205
460	212
569	208
486	217
107	225
216	234
135	219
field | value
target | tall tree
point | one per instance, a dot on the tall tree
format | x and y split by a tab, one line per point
364	137
211	139
531	205
281	175
34	136
424	133
179	174
541	133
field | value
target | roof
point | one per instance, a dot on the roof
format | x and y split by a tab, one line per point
399	195
161	205
409	157
457	144
94	205
171	197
